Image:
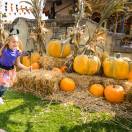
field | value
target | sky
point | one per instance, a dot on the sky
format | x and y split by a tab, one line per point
12	14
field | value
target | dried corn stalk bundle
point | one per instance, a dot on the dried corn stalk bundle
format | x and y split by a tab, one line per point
48	62
37	82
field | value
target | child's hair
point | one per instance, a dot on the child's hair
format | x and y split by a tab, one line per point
20	44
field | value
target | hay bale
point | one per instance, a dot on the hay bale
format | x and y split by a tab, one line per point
84	81
48	62
128	91
37	82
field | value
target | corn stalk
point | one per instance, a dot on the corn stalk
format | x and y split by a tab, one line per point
106	11
111	7
39	31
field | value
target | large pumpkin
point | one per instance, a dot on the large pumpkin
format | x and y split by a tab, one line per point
114	93
84	64
26	61
56	49
116	67
35	57
96	90
67	84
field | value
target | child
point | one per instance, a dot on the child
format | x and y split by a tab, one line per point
9	57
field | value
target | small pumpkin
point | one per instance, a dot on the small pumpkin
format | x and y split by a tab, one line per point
35	57
35	65
56	49
26	61
114	93
84	64
67	84
63	68
97	90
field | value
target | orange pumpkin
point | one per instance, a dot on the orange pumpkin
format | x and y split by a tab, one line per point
35	65
96	90
56	49
63	68
114	93
26	61
130	76
84	64
130	71
67	84
116	67
35	57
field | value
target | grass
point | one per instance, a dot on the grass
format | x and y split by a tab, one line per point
27	113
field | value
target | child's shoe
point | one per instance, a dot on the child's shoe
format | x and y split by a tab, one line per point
1	101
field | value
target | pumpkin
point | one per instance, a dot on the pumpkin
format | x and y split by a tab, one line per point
63	68
114	93
116	67
26	61
84	64
35	65
35	57
67	84
130	71
56	49
96	90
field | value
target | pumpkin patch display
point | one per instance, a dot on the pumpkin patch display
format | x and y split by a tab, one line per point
67	84
84	64
116	67
97	90
114	93
56	49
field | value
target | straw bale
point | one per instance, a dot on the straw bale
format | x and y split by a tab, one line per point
48	62
84	81
83	99
37	82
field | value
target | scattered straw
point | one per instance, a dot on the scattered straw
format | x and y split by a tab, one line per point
45	84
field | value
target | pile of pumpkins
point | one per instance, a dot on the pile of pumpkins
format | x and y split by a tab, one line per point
116	67
33	60
112	93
